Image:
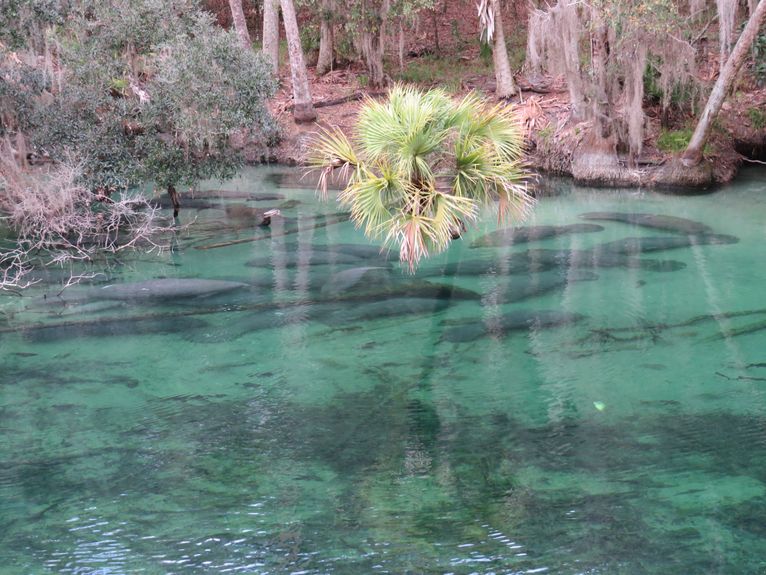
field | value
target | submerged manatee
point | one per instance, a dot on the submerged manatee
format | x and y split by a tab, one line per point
518	320
376	283
110	328
156	289
515	263
521	287
387	308
241	323
292	259
165	288
596	258
639	245
359	279
652	221
510	236
542	260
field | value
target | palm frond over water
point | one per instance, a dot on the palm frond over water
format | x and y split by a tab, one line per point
421	166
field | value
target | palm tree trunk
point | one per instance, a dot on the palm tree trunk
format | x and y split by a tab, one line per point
693	154
238	16
503	75
271	32
324	62
303	108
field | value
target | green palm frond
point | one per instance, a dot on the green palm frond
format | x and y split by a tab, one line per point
332	151
425	165
367	200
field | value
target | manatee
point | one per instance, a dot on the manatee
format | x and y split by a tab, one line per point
521	287
518	320
164	288
331	312
110	328
242	323
358	279
366	251
361	251
653	221
155	289
596	258
387	308
510	236
310	258
515	263
638	245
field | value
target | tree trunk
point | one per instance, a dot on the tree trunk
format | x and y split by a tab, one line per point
693	154
324	62
401	45
602	108
372	52
174	200
435	24
303	110
238	16
372	44
503	75
271	32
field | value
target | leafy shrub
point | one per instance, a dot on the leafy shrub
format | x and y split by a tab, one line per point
759	59
757	118
674	140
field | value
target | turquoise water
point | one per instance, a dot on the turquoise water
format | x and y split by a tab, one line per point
296	424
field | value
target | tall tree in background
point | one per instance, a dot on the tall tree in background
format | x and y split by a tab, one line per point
240	25
303	107
372	23
271	33
603	50
325	59
491	21
693	154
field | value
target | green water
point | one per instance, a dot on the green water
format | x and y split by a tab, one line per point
197	440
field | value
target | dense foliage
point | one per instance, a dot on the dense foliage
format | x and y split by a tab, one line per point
112	94
141	90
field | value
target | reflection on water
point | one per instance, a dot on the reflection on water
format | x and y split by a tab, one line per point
584	395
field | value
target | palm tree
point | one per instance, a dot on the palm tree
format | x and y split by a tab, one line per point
421	165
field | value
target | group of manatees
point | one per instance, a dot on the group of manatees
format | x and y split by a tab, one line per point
368	286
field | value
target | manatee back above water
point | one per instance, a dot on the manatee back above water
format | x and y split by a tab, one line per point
652	221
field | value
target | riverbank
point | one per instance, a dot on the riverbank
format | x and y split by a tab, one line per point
557	143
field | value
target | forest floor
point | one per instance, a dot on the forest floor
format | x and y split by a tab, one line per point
553	135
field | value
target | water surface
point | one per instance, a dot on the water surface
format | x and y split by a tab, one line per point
327	419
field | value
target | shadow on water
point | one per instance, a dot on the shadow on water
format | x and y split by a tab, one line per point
384	462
